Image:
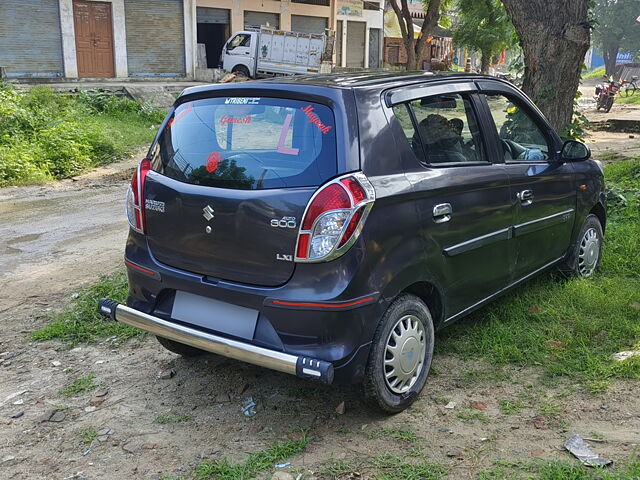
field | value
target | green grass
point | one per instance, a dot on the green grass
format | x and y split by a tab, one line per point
595	73
394	467
402	434
81	322
46	135
569	327
511	407
166	419
470	415
88	435
79	385
632	100
256	463
545	470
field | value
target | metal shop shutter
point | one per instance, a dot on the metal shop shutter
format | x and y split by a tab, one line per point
30	38
257	19
306	24
155	38
355	44
212	15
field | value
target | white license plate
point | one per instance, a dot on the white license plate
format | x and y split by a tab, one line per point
214	315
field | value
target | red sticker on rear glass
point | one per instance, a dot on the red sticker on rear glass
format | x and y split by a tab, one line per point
315	120
212	161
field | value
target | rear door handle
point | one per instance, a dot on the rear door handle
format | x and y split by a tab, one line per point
525	197
442	212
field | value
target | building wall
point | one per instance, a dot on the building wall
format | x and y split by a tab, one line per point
372	19
30	38
155	37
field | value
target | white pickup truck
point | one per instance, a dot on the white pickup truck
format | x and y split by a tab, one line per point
270	51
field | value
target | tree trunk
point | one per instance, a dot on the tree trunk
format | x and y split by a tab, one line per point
485	61
415	47
610	54
554	35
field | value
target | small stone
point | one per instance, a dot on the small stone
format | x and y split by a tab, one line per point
129	447
537	453
150	446
101	392
105	431
540	423
18	402
56	363
222	398
605	407
632	136
635	305
479	405
96	401
282	476
242	388
56	416
341	408
8	461
90	409
17	415
455	454
450	405
166	374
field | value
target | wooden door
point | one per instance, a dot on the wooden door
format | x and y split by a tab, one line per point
94	38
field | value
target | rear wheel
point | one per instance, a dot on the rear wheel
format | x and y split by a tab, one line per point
180	348
401	355
242	70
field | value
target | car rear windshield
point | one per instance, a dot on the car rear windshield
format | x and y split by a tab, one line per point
248	143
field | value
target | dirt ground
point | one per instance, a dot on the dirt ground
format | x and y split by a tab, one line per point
60	237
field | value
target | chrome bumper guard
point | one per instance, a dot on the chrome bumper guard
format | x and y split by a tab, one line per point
303	367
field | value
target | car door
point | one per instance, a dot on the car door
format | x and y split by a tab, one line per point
462	199
542	189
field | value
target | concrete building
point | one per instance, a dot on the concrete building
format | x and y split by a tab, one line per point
97	39
159	38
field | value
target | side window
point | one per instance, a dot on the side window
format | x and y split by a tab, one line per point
240	40
444	129
521	138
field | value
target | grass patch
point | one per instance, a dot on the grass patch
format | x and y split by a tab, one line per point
394	467
166	419
545	470
470	415
570	327
46	135
81	322
88	435
632	100
402	434
595	73
79	385
511	407
252	466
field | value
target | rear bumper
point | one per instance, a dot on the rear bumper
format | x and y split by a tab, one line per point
303	367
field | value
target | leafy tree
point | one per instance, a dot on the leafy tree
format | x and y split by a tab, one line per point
616	28
483	25
415	46
554	36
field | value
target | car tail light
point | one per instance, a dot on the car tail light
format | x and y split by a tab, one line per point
135	197
334	218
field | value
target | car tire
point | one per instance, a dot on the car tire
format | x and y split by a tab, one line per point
242	70
180	348
587	252
407	324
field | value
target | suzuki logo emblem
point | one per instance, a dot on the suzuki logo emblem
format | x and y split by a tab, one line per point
208	212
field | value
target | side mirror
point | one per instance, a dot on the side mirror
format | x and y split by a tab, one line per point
574	151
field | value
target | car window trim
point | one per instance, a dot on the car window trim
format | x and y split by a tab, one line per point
413	92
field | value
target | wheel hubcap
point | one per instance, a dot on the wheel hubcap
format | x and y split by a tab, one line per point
404	354
589	252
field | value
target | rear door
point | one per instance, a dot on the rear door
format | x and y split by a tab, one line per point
232	177
464	209
543	190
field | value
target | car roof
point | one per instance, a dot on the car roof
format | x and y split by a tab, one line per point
361	80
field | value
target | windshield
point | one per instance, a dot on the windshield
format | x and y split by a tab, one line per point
248	143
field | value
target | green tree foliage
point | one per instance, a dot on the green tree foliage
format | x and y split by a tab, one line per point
616	28
483	25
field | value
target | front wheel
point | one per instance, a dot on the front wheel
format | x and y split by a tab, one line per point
608	105
586	254
400	356
242	70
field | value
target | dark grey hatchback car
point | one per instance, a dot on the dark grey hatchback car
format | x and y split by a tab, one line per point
325	226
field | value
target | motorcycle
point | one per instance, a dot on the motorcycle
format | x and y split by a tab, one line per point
606	93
